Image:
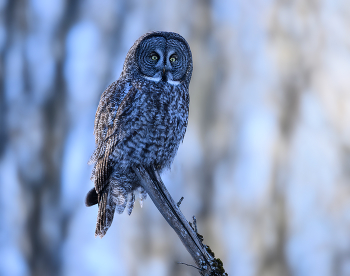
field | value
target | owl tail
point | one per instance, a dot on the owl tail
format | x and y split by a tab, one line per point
105	213
91	198
109	201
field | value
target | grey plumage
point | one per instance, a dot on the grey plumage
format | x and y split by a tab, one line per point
141	120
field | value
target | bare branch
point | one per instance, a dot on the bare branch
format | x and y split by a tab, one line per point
179	203
189	265
201	254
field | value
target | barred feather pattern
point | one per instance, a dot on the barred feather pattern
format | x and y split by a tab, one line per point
139	121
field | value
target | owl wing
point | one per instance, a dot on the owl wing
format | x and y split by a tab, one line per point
115	102
109	129
106	113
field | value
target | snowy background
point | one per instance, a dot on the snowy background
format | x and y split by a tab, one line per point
265	163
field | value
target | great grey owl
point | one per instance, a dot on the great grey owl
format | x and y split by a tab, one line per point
140	120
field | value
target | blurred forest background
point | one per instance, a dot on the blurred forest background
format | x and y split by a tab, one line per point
265	163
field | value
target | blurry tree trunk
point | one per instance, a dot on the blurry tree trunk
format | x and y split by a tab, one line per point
207	96
292	63
3	21
36	127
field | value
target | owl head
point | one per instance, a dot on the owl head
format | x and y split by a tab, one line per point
161	57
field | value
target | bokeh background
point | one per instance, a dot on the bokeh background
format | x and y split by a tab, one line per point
265	163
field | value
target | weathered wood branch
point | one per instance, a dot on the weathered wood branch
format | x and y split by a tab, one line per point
204	258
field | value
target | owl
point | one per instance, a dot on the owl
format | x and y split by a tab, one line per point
140	120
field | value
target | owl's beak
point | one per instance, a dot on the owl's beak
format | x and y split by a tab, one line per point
164	77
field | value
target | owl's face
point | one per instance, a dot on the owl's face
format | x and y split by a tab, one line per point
164	58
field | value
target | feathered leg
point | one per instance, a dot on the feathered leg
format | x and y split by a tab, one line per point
118	194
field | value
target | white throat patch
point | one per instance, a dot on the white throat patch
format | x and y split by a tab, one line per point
173	82
157	79
153	79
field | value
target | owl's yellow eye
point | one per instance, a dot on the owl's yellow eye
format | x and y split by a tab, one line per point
173	58
154	56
